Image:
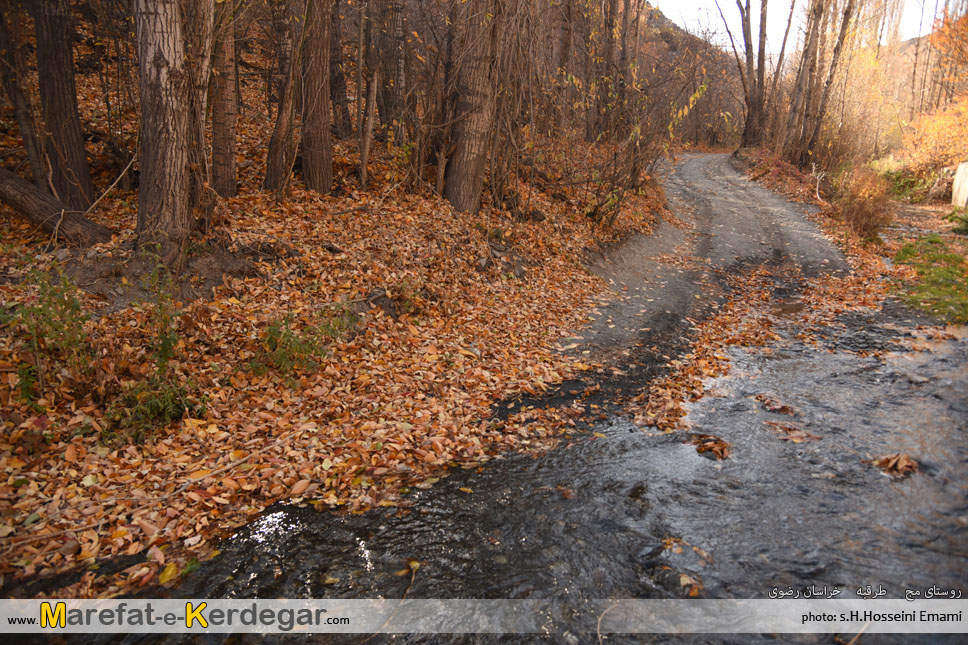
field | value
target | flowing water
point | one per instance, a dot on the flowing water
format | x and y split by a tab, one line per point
626	513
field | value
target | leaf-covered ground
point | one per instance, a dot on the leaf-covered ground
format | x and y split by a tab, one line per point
407	322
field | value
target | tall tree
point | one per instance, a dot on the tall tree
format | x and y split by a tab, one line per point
337	78
12	67
317	155
476	102
164	210
70	175
282	144
198	22
752	70
225	111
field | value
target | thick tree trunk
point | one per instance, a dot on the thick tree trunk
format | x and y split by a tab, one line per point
225	113
43	210
317	154
69	173
164	212
476	103
337	78
11	69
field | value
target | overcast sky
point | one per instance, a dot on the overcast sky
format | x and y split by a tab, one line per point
700	15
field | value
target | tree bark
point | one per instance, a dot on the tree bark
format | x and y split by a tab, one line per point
11	70
282	143
317	161
225	112
53	216
198	20
476	103
164	212
69	172
337	78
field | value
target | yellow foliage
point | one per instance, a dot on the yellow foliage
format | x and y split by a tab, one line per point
938	139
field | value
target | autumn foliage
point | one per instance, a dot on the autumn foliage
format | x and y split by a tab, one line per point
938	139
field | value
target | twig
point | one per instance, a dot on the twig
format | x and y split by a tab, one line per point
855	639
113	184
598	628
53	236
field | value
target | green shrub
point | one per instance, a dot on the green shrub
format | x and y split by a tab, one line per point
286	348
149	404
53	324
161	398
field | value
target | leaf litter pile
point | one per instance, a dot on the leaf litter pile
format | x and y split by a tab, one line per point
358	357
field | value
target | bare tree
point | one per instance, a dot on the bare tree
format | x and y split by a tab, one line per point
476	103
12	67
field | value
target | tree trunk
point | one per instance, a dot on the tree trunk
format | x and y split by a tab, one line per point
475	108
388	55
825	97
317	160
43	210
225	112
337	78
282	143
11	70
198	22
164	213
69	173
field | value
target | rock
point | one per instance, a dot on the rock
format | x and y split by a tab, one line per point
959	191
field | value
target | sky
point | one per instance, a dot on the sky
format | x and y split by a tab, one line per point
701	15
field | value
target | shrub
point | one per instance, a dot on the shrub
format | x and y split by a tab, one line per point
154	402
161	398
53	323
285	347
864	202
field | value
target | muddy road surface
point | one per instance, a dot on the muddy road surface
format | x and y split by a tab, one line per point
622	512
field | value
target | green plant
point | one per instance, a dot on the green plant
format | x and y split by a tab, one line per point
161	398
942	285
154	402
285	347
907	185
960	217
162	315
53	322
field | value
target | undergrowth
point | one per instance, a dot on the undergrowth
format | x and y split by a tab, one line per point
56	342
942	285
864	201
163	397
287	346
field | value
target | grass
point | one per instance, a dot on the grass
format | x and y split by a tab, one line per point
942	285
